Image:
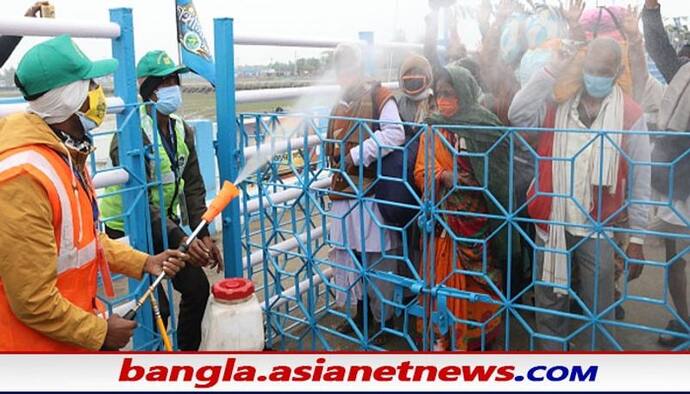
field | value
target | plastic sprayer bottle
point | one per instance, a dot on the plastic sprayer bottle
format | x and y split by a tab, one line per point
233	320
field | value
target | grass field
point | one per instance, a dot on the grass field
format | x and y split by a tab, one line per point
203	106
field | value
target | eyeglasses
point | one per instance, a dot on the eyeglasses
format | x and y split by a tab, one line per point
414	84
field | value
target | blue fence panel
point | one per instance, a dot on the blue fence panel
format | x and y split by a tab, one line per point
448	284
147	338
464	274
132	158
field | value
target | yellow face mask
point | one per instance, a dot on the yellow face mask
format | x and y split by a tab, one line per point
97	106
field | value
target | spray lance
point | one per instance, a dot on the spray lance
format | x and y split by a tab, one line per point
226	194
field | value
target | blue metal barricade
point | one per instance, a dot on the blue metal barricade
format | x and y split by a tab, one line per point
132	158
444	284
286	233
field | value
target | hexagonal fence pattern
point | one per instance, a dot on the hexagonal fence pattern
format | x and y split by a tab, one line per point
464	238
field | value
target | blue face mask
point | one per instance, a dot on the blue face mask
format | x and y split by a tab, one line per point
598	87
169	99
86	123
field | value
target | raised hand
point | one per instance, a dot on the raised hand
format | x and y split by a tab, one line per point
574	11
562	58
631	23
35	8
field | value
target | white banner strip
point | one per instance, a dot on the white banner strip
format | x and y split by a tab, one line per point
383	372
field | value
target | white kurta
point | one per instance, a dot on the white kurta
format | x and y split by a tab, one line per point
356	225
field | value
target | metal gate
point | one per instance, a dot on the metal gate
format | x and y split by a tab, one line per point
287	214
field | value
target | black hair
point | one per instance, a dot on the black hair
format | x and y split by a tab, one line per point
149	85
152	83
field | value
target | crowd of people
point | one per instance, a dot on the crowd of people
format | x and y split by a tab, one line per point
583	197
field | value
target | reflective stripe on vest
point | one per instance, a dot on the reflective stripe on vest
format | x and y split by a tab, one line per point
78	257
167	173
111	206
69	256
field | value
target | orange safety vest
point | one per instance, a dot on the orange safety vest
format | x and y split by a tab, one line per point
79	254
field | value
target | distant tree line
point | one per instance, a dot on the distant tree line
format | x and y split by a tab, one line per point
301	67
7	77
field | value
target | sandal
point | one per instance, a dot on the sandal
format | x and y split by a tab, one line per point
671	340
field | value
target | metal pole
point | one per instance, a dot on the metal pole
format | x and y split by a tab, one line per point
228	148
131	152
47	27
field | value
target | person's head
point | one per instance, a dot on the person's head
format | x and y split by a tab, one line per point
159	81
415	77
347	61
602	66
57	80
455	90
447	100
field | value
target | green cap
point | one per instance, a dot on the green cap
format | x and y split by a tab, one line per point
158	64
55	63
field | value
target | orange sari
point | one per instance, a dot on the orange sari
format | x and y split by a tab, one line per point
468	257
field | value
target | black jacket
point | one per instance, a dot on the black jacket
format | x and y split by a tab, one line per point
7	45
658	45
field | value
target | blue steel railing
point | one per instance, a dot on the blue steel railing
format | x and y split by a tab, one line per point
296	280
278	235
135	200
147	338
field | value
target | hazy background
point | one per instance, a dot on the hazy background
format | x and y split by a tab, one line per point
154	22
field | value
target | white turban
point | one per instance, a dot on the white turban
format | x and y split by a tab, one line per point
58	104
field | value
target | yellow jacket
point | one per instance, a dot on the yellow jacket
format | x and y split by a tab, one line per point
28	252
